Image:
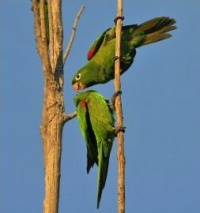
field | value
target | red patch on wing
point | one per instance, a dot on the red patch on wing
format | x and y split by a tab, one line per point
91	53
84	103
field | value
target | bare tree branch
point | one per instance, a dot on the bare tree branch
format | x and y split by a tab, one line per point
68	117
73	33
119	112
40	32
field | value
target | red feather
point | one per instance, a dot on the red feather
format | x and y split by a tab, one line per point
95	47
84	103
91	53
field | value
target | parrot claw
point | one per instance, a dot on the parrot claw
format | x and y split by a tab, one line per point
113	99
117	57
118	129
118	17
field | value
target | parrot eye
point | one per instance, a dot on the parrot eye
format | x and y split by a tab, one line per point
78	76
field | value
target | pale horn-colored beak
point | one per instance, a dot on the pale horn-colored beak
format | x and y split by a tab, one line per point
77	86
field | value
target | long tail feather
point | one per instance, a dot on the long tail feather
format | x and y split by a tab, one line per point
102	174
156	29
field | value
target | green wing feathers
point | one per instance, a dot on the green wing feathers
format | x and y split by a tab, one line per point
96	45
86	130
97	126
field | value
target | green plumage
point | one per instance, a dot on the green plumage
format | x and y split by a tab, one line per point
96	122
100	67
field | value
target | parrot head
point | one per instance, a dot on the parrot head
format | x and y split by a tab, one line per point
81	79
76	84
87	76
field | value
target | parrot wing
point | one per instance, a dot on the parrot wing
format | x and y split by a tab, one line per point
103	125
96	45
88	134
107	35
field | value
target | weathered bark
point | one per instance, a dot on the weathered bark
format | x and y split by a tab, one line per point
51	130
53	115
49	39
119	112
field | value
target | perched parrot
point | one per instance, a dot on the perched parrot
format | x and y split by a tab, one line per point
100	67
96	122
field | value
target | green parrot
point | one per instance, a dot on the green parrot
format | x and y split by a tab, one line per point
96	122
100	67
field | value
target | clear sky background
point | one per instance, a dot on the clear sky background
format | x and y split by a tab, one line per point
161	103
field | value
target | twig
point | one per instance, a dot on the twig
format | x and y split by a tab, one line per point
73	33
68	117
119	112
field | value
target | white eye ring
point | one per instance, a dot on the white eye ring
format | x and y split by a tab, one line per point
78	76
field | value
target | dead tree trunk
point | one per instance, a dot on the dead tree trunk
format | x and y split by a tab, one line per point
49	39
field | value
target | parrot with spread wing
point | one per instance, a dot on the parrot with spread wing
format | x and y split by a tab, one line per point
96	122
100	67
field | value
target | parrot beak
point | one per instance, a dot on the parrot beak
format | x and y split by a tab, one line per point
77	86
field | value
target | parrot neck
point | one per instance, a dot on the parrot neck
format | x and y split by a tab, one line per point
96	73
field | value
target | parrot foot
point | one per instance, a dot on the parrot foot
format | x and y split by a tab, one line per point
118	17
117	57
113	99
118	129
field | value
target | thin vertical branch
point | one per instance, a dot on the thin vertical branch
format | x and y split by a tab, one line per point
71	40
119	112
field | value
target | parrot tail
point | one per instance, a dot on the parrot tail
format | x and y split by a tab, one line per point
102	174
156	30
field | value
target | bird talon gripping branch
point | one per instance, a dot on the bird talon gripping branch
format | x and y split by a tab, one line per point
118	17
113	99
119	129
117	57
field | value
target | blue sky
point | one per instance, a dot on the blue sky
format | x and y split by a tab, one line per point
161	104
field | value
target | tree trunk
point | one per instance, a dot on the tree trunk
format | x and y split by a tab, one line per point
49	40
51	130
